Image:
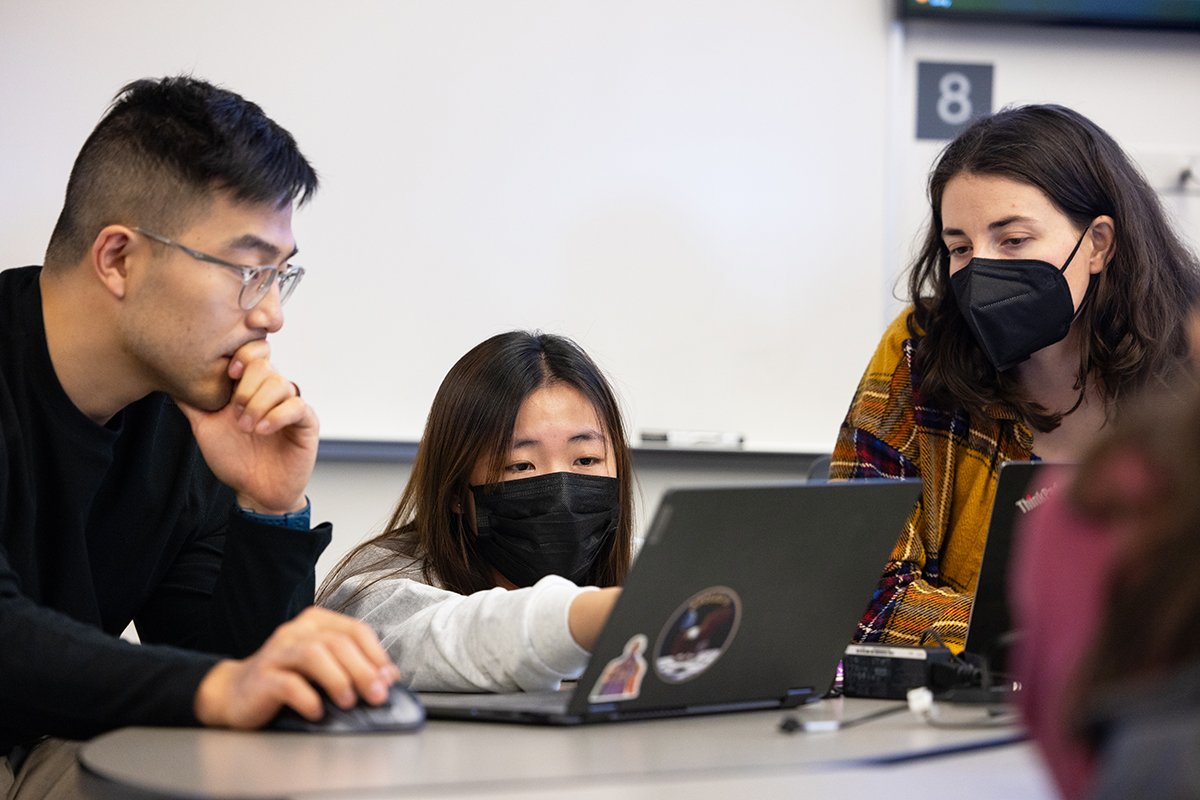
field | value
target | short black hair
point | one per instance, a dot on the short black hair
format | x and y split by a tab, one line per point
160	151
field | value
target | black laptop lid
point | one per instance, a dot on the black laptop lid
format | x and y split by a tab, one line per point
1021	488
744	595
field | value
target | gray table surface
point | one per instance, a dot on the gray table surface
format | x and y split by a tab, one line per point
721	755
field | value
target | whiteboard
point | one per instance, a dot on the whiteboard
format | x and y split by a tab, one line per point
694	191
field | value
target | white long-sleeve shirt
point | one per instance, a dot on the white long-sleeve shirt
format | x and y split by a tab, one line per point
494	640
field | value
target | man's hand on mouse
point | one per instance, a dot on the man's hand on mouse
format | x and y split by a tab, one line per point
319	647
263	443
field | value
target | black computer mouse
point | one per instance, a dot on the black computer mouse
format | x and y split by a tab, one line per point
402	711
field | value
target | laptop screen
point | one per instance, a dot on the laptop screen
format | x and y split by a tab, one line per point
1021	488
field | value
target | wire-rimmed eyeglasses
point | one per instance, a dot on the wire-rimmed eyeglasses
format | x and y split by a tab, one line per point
256	281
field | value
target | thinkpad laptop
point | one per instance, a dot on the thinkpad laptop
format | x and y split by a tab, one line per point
741	598
1021	487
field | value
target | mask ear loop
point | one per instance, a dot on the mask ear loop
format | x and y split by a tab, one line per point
1075	249
1087	293
1083	379
1092	281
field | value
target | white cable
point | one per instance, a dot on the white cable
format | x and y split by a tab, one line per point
920	703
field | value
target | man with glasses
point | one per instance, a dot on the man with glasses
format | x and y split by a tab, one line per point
153	463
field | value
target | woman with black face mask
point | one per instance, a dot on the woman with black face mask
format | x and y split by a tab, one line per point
1049	288
519	506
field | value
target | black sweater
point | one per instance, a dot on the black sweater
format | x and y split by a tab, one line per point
100	525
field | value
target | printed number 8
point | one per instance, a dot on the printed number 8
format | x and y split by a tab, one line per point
954	102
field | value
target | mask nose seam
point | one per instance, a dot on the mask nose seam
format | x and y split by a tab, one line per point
1004	300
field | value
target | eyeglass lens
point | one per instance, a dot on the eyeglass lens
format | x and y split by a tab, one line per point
257	289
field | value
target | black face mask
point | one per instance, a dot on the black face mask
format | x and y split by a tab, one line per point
554	524
1015	307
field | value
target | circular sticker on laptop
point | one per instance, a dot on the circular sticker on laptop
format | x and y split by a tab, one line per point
697	634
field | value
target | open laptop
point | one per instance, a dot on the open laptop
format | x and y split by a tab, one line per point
741	598
1021	487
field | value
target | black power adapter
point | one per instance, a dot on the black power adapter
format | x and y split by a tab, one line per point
881	671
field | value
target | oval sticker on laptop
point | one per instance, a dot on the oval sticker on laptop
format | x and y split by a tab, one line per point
697	634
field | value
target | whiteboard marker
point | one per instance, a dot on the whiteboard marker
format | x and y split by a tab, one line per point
715	439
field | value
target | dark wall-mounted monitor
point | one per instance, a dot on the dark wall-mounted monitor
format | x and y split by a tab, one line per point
1171	14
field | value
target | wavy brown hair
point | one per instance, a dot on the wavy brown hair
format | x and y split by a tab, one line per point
472	420
1132	323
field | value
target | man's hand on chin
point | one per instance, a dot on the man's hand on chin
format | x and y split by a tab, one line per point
263	443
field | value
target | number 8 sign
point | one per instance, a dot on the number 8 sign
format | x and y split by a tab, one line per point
951	95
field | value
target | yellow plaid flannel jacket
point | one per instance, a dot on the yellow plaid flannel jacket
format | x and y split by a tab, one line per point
929	580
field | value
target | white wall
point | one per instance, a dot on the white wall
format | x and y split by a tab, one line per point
1139	85
732	136
690	188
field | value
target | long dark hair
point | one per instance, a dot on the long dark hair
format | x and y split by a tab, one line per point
472	419
1132	324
